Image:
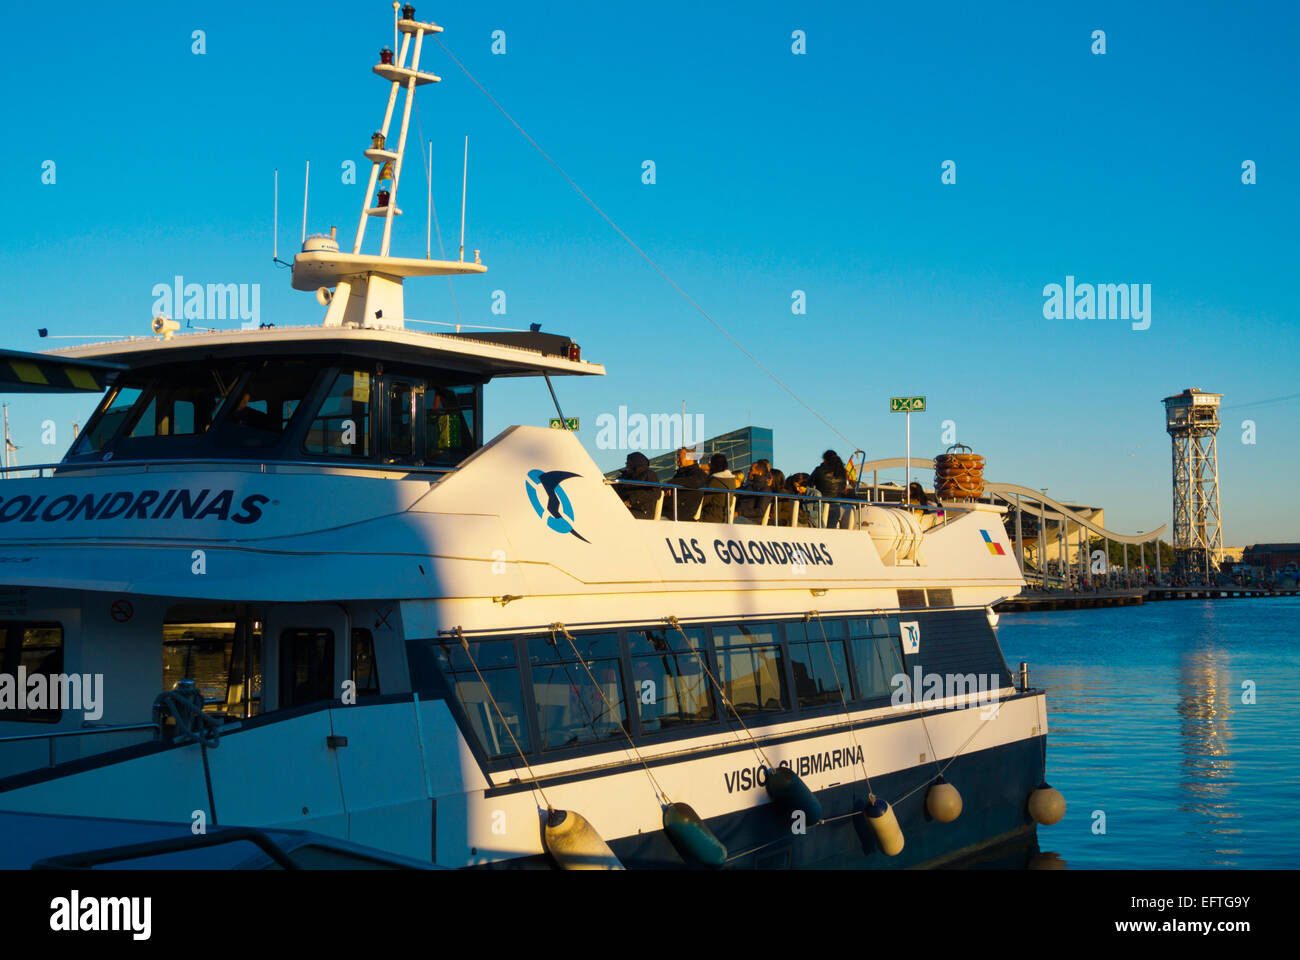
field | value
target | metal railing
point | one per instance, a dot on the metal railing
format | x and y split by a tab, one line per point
262	464
85	731
89	859
848	504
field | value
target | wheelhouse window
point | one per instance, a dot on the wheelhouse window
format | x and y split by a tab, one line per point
751	667
108	419
403	396
571	709
670	686
430	420
486	684
340	426
287	408
262	407
36	649
183	403
449	423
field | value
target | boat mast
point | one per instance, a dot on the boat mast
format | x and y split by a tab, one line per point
368	288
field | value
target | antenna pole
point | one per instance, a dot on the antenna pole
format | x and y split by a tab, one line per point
306	180
428	223
464	179
275	219
6	406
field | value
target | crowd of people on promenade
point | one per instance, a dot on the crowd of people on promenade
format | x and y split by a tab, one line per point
758	491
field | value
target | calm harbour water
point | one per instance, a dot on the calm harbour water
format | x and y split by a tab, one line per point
1146	723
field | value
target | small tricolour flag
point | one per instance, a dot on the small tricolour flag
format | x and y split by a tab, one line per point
995	548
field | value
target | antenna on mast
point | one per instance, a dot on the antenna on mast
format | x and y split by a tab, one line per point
306	180
428	225
464	179
275	219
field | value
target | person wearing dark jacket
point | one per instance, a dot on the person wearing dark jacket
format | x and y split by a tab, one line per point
690	476
759	481
640	500
830	479
720	478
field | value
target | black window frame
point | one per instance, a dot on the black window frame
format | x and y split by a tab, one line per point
837	628
574	663
711	665
424	380
329	375
364	638
11	660
282	701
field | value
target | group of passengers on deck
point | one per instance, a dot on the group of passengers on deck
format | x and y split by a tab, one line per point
753	491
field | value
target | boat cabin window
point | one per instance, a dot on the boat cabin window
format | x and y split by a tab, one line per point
449	423
340	427
558	706
669	682
751	667
496	717
224	659
105	424
36	648
821	670
365	671
403	397
429	421
177	407
570	708
306	666
877	655
264	404
287	408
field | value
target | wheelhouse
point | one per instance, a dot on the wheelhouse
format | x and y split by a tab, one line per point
354	397
341	408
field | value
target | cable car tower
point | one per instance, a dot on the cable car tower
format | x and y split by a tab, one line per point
1192	420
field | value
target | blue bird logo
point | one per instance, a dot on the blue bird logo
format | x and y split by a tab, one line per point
558	511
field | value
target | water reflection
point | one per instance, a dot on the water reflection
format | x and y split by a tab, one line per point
1205	699
1147	725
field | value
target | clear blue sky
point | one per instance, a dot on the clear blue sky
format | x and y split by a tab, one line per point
775	172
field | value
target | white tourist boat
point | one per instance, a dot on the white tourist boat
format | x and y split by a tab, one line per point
311	595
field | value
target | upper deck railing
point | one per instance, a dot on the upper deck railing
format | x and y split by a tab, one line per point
262	464
818	507
850	507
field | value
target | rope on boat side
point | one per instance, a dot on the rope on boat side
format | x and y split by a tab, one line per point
464	643
659	790
672	622
848	717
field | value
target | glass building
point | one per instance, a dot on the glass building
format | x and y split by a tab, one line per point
741	448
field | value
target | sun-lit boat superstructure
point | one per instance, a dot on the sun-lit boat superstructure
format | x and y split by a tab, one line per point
299	589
